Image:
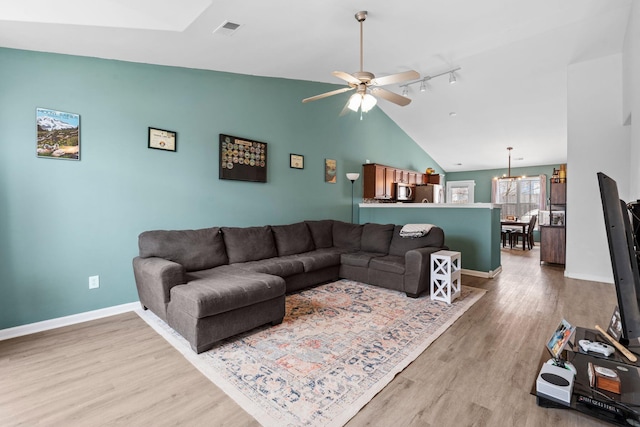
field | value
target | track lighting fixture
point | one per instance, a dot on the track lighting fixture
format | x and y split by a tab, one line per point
423	81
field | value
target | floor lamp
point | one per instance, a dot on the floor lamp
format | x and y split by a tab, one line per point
352	176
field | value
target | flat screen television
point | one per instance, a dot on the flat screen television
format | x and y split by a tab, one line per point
623	259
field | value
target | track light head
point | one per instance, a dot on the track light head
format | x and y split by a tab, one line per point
452	78
423	86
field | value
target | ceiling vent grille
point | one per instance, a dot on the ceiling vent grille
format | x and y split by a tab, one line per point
227	28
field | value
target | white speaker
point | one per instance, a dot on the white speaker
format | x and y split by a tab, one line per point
555	383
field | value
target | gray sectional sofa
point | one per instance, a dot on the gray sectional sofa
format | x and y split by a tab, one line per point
214	283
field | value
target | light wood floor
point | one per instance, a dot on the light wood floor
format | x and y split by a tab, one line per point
118	371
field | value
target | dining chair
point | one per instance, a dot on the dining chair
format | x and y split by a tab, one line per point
527	236
505	235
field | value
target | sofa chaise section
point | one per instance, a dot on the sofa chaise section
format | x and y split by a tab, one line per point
219	303
185	278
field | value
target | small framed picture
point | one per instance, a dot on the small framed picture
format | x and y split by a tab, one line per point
58	134
330	169
296	161
160	139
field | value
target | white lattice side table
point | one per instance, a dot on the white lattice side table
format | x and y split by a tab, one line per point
445	276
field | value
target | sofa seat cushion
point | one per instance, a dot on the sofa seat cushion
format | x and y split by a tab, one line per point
359	259
249	243
193	249
213	292
390	263
320	258
280	266
292	239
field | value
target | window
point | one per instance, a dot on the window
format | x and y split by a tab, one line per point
519	197
460	191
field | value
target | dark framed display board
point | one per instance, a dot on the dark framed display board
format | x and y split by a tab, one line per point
242	159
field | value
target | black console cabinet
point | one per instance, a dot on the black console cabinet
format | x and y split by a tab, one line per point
605	406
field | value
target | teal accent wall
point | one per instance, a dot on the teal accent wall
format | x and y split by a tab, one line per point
483	178
472	231
63	220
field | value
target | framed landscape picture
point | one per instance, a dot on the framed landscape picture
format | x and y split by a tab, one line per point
57	134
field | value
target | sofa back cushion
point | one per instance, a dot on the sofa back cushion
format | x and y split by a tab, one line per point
322	233
249	243
376	237
193	249
292	239
347	235
400	245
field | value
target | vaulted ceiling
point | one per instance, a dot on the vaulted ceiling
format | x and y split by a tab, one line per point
511	90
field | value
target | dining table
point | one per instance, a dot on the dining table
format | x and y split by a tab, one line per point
512	224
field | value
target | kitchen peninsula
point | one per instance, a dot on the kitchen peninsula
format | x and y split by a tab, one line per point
472	229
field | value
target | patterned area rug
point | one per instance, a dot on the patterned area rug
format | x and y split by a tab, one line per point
338	346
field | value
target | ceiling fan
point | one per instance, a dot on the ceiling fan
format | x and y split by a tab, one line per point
366	84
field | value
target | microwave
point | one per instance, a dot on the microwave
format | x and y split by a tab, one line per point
404	191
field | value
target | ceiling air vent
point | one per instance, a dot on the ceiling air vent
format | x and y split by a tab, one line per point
227	28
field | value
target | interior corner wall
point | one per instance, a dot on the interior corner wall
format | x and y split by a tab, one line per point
597	142
64	220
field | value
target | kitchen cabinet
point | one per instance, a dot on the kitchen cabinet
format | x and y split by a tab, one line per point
414	178
552	244
379	180
553	236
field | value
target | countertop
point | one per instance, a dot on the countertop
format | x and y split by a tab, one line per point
431	205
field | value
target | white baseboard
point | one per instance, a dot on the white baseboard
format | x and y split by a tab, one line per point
46	325
484	274
588	277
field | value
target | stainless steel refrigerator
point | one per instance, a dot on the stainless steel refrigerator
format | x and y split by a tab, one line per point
429	193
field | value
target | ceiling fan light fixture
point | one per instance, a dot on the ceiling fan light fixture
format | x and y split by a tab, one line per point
368	102
405	91
354	102
423	87
452	78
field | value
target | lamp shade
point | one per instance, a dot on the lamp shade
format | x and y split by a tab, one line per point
368	102
364	102
352	176
354	102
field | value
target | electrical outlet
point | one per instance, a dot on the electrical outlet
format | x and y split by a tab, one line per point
94	282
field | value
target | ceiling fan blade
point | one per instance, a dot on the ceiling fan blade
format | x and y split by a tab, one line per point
396	78
347	77
324	95
345	110
390	96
